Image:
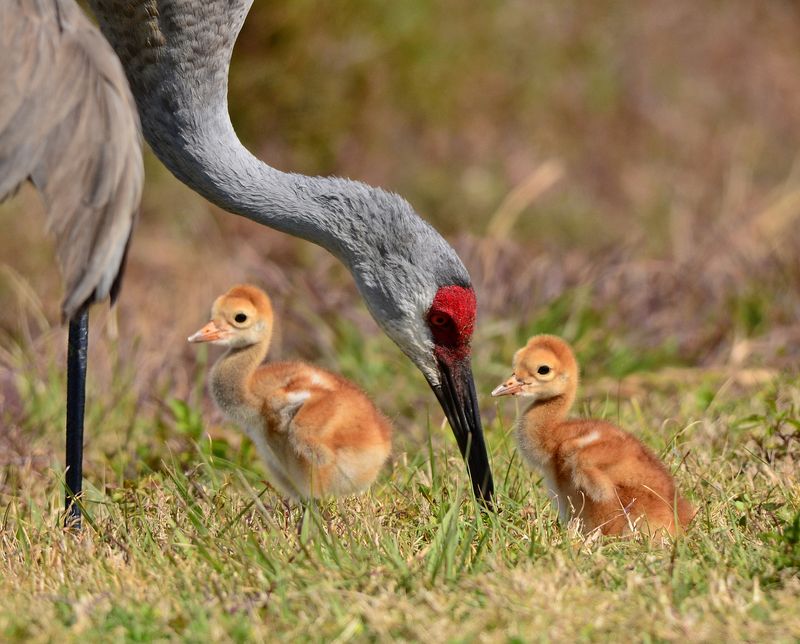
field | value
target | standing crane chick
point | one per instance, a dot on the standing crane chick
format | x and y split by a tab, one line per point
318	434
594	470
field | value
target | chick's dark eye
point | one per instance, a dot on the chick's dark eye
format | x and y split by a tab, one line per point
240	318
543	370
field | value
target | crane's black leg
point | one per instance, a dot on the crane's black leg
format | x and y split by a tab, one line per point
77	348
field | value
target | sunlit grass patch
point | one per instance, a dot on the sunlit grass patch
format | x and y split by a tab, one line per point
184	539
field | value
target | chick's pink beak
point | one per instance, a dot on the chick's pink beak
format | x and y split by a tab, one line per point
211	332
508	388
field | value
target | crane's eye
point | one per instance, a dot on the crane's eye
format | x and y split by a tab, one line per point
240	318
439	319
543	370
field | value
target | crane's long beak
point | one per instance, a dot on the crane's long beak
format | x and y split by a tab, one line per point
456	395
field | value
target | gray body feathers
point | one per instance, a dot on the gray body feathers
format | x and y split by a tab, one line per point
68	123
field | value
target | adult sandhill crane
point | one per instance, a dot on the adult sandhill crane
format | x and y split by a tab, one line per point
68	123
176	54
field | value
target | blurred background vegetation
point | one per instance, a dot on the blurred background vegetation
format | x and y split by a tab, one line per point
624	174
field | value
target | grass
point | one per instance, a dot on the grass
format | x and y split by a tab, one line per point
185	541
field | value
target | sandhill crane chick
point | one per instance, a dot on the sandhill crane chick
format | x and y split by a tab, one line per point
318	434
593	469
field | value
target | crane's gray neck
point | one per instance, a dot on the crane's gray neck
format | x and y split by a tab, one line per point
176	54
211	160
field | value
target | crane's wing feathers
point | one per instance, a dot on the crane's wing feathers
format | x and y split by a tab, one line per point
69	124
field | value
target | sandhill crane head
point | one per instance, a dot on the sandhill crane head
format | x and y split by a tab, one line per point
419	292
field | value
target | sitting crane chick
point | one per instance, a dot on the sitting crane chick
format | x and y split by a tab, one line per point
317	433
594	470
